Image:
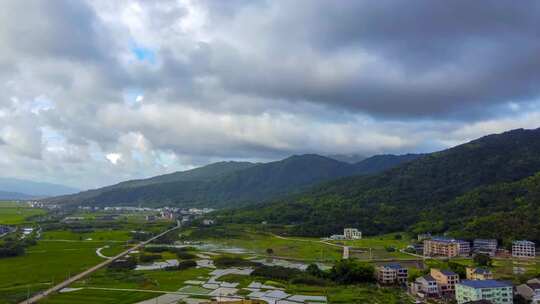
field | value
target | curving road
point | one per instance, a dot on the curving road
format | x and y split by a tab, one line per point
81	275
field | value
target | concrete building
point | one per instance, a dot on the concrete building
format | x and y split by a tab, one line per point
464	248
446	281
478	273
485	246
523	249
530	291
337	237
426	287
392	273
441	246
497	292
352	234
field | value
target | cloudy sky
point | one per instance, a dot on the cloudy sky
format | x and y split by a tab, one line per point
94	92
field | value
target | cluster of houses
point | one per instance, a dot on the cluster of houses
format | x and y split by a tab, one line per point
478	286
348	234
450	247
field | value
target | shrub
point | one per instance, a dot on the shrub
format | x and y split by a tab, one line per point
185	255
148	258
123	264
186	264
308	279
350	271
276	272
482	260
315	271
232	261
390	249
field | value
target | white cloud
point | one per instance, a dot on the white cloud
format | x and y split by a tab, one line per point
114	158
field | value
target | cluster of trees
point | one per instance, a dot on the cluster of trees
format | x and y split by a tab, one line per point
128	263
11	246
232	261
347	271
11	249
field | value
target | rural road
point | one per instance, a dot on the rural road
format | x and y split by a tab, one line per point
81	275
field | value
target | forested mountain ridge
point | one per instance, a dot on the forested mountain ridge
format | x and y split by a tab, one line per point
408	194
227	184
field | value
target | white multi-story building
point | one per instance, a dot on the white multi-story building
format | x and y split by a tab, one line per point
352	233
485	246
523	249
497	292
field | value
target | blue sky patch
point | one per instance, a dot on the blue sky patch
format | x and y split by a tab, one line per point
143	53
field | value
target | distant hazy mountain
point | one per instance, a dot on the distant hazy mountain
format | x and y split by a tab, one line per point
8	196
33	189
348	158
228	184
379	163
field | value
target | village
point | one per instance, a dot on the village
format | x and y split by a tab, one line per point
478	285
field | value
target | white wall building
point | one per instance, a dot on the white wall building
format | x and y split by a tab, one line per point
352	233
523	249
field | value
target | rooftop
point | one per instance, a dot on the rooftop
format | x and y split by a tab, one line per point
485	284
535	286
393	266
481	270
448	272
427	277
523	242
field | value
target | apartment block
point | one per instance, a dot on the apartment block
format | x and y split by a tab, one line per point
446	281
530	291
425	286
477	273
392	273
464	248
523	249
485	246
497	292
352	234
441	247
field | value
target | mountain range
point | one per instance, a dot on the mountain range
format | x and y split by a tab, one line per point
489	187
18	189
232	184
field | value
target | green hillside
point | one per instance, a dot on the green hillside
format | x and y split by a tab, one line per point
413	192
231	184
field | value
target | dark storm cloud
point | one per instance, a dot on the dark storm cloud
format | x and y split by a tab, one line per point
95	92
52	28
422	58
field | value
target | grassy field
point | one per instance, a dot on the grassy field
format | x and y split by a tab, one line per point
312	249
306	250
43	264
12	213
147	280
97	235
93	296
243	237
